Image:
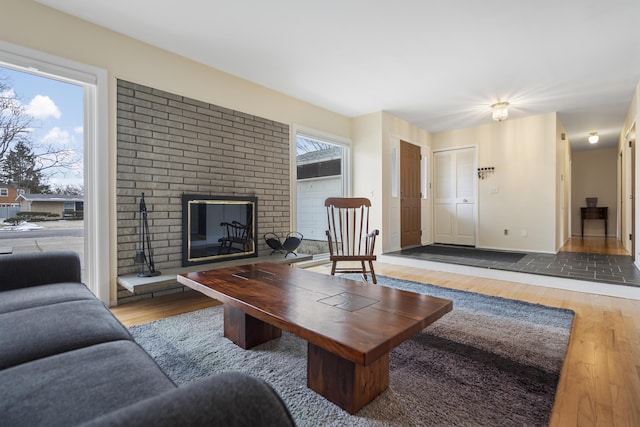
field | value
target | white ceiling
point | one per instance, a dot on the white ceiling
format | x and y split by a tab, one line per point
438	64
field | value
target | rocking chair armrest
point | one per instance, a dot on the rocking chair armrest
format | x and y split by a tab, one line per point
371	241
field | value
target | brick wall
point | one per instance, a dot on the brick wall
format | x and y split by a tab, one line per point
169	145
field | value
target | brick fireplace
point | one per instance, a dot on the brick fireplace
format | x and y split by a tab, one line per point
169	145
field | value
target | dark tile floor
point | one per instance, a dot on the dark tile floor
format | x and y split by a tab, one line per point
616	269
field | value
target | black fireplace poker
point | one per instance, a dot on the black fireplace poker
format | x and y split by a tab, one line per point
144	252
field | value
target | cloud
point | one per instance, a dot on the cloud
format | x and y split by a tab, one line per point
42	107
57	136
78	129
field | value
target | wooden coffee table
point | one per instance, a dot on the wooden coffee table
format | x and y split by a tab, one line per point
350	326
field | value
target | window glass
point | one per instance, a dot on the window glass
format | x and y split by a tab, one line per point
322	170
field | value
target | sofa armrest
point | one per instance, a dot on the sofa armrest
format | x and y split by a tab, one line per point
227	399
38	268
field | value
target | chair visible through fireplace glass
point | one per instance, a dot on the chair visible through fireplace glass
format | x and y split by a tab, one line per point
237	238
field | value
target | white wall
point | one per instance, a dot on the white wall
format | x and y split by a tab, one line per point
594	174
520	195
368	176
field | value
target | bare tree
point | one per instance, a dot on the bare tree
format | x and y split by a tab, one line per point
69	190
15	123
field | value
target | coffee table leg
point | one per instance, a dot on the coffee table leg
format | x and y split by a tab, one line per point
247	331
347	384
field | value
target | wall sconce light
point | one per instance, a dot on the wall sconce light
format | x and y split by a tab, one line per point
500	111
593	137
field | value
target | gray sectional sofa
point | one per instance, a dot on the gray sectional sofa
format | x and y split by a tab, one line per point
66	360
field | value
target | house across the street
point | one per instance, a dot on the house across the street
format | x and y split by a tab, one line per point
63	205
9	205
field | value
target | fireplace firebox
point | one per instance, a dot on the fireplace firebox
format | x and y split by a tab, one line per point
218	228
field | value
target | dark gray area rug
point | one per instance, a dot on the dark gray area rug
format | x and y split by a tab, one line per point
489	362
465	252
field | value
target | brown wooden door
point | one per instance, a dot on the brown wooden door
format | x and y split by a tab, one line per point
410	225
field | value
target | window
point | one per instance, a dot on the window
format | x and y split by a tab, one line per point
95	84
322	170
4	192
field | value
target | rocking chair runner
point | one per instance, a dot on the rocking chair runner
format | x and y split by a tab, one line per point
349	236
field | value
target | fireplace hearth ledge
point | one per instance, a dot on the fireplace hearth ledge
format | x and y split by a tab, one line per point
137	285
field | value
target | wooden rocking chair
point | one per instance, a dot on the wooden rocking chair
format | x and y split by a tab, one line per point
236	234
349	236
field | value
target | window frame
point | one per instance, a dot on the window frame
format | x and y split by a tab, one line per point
94	81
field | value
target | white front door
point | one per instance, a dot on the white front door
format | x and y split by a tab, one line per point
455	197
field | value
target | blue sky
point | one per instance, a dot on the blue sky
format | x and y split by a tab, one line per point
57	111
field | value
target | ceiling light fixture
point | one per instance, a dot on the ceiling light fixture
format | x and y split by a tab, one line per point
593	137
500	111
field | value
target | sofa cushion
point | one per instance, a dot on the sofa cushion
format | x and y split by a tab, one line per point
35	296
39	332
74	387
227	399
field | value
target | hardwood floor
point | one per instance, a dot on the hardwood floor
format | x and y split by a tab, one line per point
600	381
148	310
595	245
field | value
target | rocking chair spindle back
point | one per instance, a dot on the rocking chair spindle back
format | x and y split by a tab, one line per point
348	235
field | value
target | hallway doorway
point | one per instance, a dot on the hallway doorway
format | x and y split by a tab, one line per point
595	245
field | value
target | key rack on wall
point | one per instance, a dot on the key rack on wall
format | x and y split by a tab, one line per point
483	173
